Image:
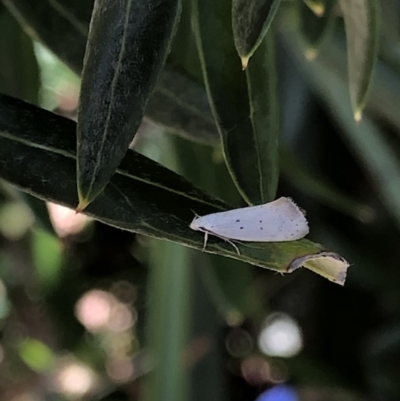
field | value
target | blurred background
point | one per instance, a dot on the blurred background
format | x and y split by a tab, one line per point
81	303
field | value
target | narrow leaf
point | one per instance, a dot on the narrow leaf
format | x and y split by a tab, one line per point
230	292
168	322
62	25
374	152
126	50
180	105
244	103
383	100
37	153
227	291
19	71
320	188
182	80
316	30
251	20
361	23
19	76
184	52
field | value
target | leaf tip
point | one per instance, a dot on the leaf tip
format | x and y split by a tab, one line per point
357	115
311	54
245	61
317	8
83	203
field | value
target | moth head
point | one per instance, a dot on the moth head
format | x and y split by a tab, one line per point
194	225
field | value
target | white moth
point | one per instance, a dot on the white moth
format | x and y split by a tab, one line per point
277	221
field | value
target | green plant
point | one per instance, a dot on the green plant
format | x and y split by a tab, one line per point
177	65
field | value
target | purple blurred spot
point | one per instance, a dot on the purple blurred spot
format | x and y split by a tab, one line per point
279	393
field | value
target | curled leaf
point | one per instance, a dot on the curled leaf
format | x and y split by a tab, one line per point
327	264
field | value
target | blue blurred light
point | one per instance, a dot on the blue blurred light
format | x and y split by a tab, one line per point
279	393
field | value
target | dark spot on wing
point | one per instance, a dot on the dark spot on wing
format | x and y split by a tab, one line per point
260	221
261	228
237	221
241	228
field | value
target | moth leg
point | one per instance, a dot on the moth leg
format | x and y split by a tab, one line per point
237	249
205	240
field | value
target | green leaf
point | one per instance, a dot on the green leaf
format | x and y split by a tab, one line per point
181	88
19	72
19	77
361	23
320	188
229	282
228	291
180	105
389	33
184	52
317	29
60	24
383	100
169	321
126	50
244	103
373	150
37	153
251	20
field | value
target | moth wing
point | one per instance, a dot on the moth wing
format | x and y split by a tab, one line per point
276	221
213	221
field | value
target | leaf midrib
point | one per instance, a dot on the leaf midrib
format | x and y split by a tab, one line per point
255	136
112	96
72	155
